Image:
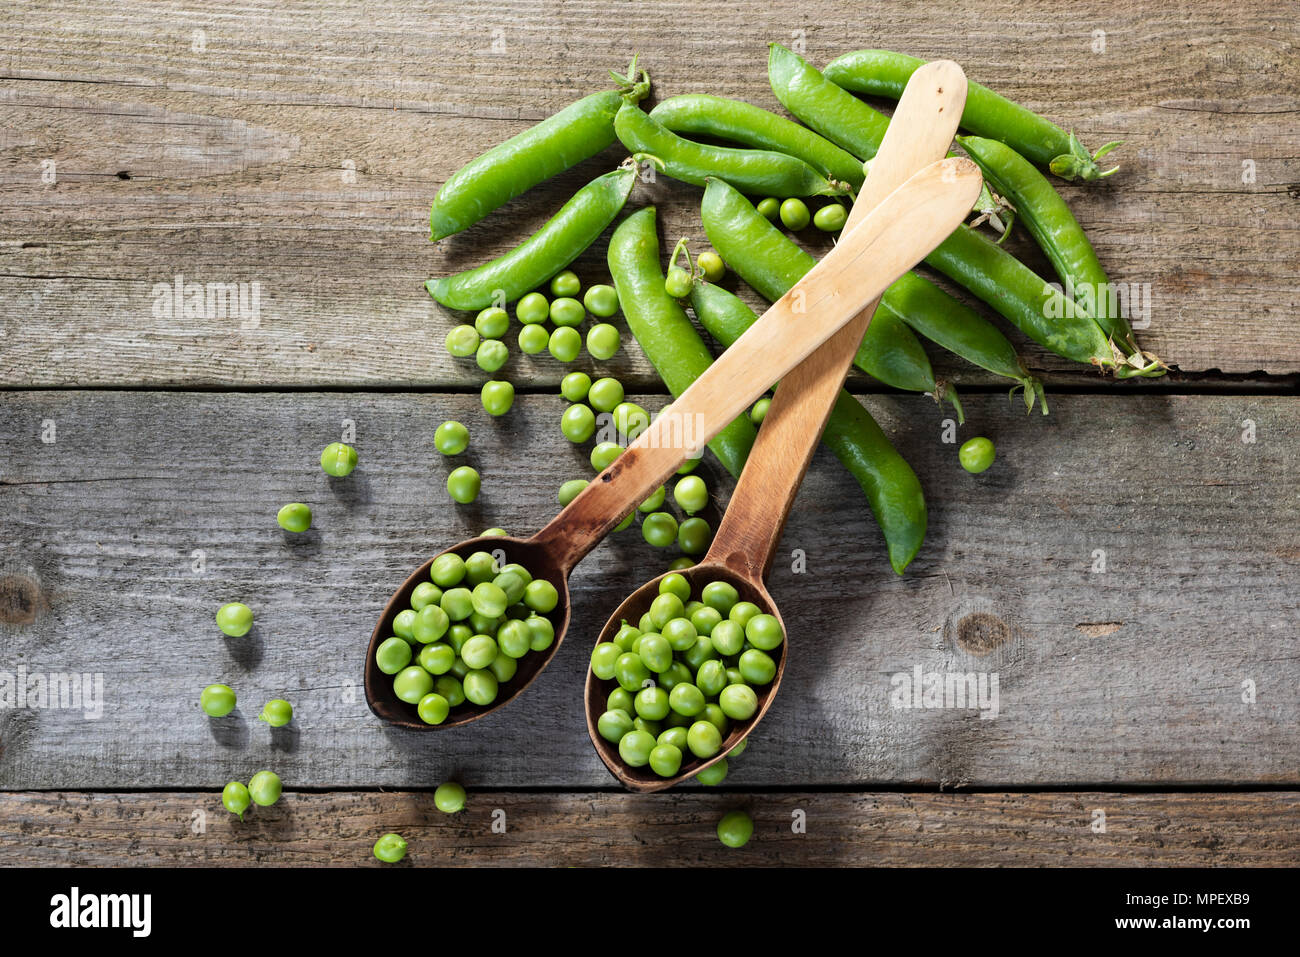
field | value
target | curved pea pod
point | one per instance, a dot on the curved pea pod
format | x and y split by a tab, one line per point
763	172
890	485
1060	236
771	262
884	73
577	132
700	114
559	242
662	328
833	112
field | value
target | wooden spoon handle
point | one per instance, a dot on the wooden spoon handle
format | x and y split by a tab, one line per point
894	237
920	132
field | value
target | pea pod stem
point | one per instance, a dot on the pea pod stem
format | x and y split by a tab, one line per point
577	132
660	325
885	73
890	485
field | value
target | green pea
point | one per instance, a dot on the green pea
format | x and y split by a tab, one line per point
459	670
567	312
703	739
294	517
659	529
492	322
605	395
484	624
431	623
493	533
601	301
794	214
630	420
451	438
735	829
541	596
450	688
694	535
757	667
764	632
720	595
681	563
831	218
575	386
769	208
390	848
338	459
738	702
675	736
689	466
630	671
680	634
533	339
542	631
566	284
604	454
514	639
449	797
504	668
404	624
728	636
665	760
437	658
625	635
691	607
665	607
620	699
700	652
478	652
447	570
412	683
759	410
739	749
463	484
603	657
714	774
613	724
675	720
492	354
235	799
462	341
425	594
656	653
515	568
711	265
711	678
433	708
626	523
578	423
603	341
235	619
976	455
705	620
687	699
652	703
392	655
264	788
513	584
480	567
645	624
532	308
565	343
655	501
489	600
734	677
675	585
217	700
635	747
676	674
677	283
457	635
277	713
717	717
742	611
480	686
497	396
691	494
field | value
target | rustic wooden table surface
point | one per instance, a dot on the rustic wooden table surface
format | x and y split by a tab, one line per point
1129	569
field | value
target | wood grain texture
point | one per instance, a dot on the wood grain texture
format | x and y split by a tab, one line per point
667	830
299	147
1137	674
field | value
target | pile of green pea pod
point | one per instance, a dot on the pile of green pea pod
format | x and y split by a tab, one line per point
784	164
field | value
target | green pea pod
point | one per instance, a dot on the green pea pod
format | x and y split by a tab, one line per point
764	172
883	73
699	114
1060	236
1022	296
559	242
771	262
660	325
892	489
834	113
577	132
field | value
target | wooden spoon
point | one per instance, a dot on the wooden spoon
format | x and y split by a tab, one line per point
920	132
905	227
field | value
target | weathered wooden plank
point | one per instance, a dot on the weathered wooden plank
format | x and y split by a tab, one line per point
1128	570
298	148
1092	829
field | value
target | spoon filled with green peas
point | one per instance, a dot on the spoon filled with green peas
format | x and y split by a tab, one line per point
475	625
